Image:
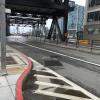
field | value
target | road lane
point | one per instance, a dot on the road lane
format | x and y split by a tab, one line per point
82	73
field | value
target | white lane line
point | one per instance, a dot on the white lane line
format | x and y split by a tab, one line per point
85	61
55	85
68	81
65	96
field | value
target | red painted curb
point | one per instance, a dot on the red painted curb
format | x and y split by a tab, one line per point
19	84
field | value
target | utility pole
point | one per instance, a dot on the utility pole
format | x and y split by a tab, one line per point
3	37
77	18
66	4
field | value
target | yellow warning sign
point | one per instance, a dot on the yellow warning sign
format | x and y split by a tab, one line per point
84	42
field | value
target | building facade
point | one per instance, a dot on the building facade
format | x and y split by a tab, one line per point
75	21
92	20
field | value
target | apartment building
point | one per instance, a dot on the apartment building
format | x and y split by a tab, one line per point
92	20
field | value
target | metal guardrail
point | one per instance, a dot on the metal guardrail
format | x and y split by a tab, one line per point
92	47
95	44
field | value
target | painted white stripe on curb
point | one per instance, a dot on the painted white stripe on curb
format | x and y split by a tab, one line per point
60	95
63	55
93	97
44	76
54	85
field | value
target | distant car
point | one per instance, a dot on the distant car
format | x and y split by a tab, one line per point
72	41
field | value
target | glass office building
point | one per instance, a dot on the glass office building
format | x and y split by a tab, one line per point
75	20
92	20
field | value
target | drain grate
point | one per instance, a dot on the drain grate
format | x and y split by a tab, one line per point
52	62
10	61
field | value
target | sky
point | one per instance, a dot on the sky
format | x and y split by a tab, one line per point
80	2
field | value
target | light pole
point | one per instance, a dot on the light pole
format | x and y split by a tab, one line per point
3	37
77	18
77	21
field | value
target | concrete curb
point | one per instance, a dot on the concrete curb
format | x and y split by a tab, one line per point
20	81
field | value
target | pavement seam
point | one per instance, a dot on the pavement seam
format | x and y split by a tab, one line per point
7	86
10	87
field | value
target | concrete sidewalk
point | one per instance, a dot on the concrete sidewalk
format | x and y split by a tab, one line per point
16	64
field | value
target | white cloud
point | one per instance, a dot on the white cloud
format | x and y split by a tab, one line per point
80	2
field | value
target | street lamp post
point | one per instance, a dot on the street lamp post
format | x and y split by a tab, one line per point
77	21
77	18
3	37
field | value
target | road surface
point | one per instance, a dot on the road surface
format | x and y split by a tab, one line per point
81	68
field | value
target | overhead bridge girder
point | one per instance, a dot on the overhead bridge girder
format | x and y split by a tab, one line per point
44	7
35	3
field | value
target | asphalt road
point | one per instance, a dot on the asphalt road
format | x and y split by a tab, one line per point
72	65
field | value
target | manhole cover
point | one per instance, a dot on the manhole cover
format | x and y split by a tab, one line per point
10	61
51	62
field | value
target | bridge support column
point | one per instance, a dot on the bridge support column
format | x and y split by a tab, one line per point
3	37
66	3
53	30
7	26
